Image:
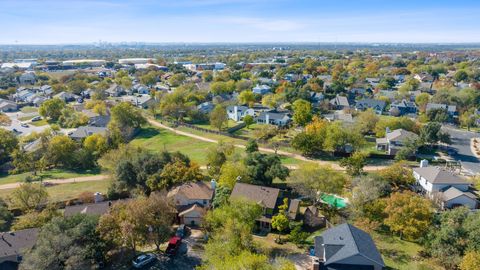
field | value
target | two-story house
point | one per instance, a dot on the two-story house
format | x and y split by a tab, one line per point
237	113
339	103
402	107
346	247
273	117
267	197
452	189
191	201
395	140
378	106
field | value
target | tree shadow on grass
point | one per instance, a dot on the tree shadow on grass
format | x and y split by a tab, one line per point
396	255
147	133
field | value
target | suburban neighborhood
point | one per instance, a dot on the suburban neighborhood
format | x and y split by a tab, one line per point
237	155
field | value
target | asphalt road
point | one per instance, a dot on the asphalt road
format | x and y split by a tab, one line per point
16	124
461	142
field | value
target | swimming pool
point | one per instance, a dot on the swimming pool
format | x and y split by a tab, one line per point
333	200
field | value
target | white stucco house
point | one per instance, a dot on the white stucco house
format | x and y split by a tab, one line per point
237	113
452	189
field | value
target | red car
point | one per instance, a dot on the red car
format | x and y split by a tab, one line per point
173	245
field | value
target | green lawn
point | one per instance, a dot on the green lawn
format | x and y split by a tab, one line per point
40	123
50	174
159	140
26	118
63	192
29	109
400	254
207	125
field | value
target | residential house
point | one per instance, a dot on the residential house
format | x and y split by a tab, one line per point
94	209
394	141
346	247
84	131
67	97
274	117
237	113
115	90
402	108
13	245
450	109
206	107
452	189
423	77
141	101
8	106
339	103
140	89
99	121
261	89
313	218
267	197
373	81
191	201
378	106
27	78
341	116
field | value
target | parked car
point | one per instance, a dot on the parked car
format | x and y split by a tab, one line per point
16	131
25	125
36	118
173	246
143	259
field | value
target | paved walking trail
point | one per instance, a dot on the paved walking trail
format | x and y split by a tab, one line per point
99	177
263	149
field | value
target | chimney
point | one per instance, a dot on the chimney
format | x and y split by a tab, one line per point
387	130
235	112
423	163
213	184
98	197
267	118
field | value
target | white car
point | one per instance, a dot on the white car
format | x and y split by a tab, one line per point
25	125
142	260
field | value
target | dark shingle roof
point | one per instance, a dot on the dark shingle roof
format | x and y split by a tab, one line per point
89	209
265	196
345	241
13	243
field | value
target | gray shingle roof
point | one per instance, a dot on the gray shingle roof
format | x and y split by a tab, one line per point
436	175
85	131
89	209
13	243
401	135
344	241
265	196
453	193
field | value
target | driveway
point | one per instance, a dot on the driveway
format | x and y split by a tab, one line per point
461	142
189	255
16	124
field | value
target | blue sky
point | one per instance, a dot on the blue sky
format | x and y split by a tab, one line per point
84	21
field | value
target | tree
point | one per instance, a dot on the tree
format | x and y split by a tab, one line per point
280	221
218	117
95	144
246	97
471	261
220	198
438	115
408	149
5	120
248	120
366	190
217	156
263	168
60	150
52	109
461	76
6	216
408	214
469	118
366	121
176	79
125	119
421	100
312	180
398	175
355	163
66	243
35	219
302	112
251	146
232	172
8	143
431	133
28	196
